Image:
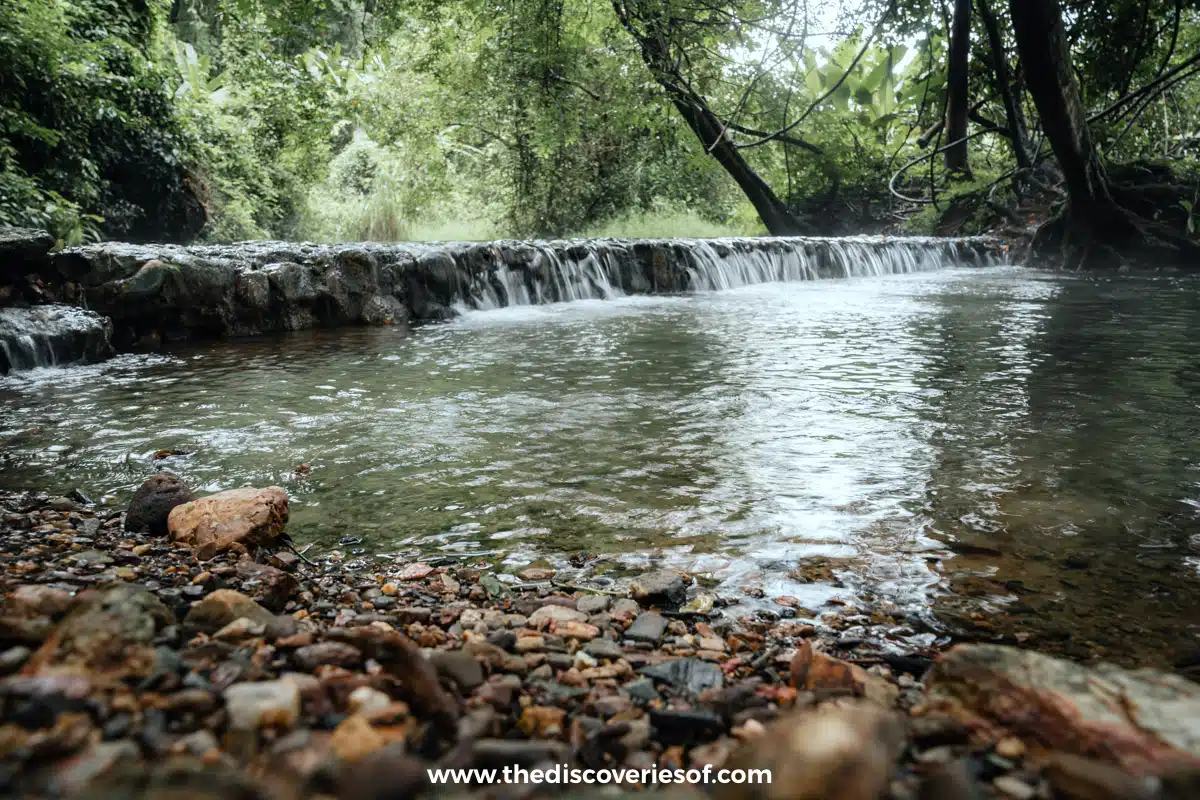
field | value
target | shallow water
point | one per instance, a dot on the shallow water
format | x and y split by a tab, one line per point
1027	440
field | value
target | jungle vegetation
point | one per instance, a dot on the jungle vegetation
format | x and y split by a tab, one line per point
222	120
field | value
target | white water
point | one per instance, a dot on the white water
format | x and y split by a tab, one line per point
558	273
47	336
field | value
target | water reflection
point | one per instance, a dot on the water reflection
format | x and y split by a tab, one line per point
972	440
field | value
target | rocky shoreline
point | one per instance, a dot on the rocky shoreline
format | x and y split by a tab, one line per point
183	648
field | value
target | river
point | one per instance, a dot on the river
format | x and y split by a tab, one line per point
1004	451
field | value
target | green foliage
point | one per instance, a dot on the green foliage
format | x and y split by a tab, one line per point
367	119
88	137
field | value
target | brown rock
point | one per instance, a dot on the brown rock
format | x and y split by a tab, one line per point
40	600
247	518
338	654
355	739
415	572
271	587
384	775
835	752
1088	779
542	722
1144	721
536	574
222	607
153	502
108	637
402	660
812	670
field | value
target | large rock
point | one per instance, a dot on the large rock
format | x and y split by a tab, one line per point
107	638
243	519
223	607
835	752
153	501
1145	721
22	252
52	335
659	588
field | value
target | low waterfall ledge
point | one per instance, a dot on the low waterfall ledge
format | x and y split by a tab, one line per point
161	293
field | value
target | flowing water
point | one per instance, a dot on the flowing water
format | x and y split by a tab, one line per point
1012	450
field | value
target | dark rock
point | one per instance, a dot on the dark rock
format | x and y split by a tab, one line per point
686	727
659	588
687	674
648	627
383	775
459	666
153	501
641	689
603	648
271	587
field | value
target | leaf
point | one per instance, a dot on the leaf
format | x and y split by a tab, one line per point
864	96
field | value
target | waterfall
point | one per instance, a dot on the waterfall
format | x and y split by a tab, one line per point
605	268
157	292
50	336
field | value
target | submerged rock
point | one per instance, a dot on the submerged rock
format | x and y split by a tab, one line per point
1143	720
153	502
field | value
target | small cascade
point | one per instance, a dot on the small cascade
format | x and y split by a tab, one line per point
51	336
534	273
172	292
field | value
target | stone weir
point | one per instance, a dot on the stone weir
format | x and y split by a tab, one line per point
156	293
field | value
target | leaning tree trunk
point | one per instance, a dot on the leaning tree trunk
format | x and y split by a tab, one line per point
1094	229
958	88
654	43
780	221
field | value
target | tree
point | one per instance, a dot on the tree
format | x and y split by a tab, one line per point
657	36
1094	229
958	97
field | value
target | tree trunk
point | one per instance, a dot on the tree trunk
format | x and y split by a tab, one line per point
1092	216
1012	109
958	88
714	136
708	129
1095	230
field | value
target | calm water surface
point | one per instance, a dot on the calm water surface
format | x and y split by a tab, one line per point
1017	446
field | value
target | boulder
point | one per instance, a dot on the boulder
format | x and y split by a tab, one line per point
23	251
107	638
1145	721
242	519
835	752
153	502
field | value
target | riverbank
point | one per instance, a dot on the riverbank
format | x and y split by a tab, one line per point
224	662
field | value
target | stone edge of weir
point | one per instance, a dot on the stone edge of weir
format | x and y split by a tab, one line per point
148	294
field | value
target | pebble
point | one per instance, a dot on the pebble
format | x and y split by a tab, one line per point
648	627
1015	787
269	704
555	613
593	603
